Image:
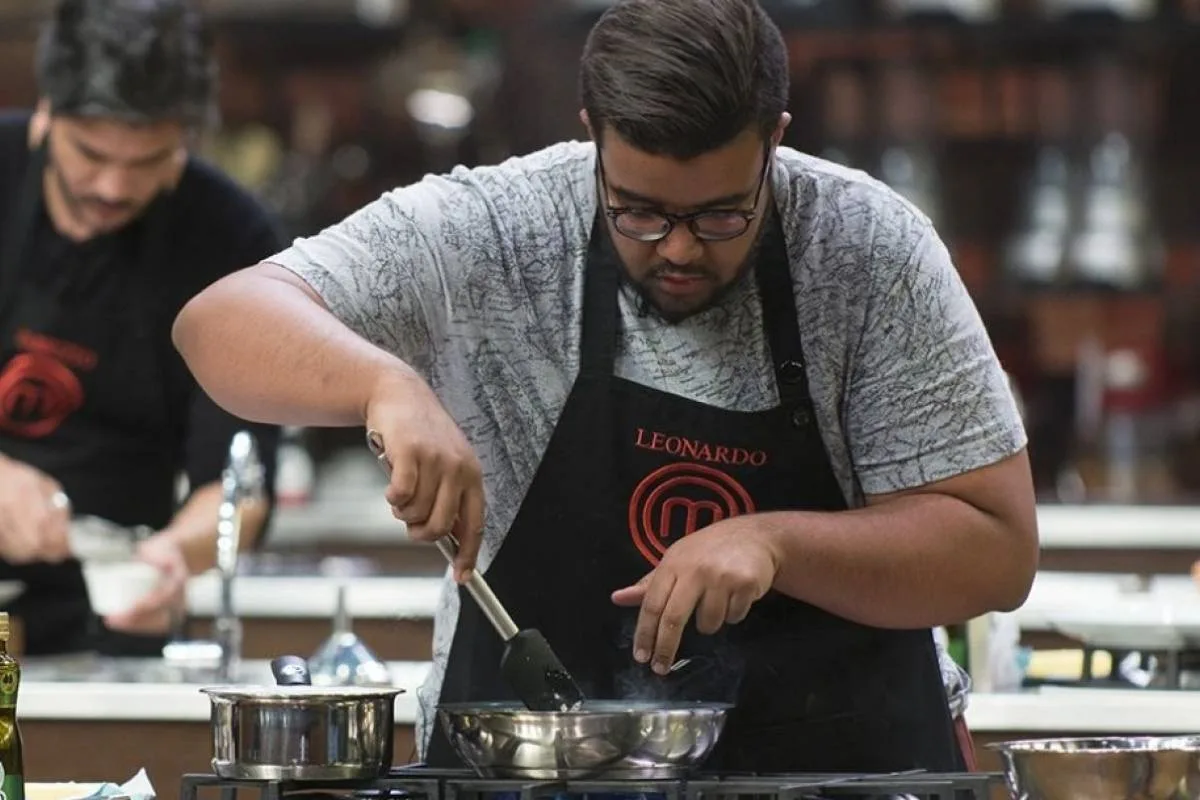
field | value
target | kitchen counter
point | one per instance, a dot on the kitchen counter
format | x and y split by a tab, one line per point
390	597
112	728
1050	711
387	597
1080	710
1062	600
364	518
1119	527
104	729
141	701
395	613
294	613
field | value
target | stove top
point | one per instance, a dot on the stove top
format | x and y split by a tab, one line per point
421	783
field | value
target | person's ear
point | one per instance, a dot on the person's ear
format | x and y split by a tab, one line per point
587	123
785	119
39	123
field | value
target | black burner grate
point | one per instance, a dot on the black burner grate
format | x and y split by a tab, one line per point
421	783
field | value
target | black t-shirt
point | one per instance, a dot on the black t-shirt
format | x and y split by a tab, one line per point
92	391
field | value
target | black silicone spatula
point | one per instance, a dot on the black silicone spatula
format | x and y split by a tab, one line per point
529	665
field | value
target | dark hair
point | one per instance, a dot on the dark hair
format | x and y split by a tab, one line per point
684	77
135	60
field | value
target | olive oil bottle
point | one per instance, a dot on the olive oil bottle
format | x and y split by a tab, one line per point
12	763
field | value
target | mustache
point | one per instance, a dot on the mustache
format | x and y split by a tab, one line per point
77	200
107	205
677	271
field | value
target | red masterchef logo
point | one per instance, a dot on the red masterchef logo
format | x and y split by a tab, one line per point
38	390
680	499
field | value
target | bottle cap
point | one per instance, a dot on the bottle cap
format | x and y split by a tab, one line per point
3	626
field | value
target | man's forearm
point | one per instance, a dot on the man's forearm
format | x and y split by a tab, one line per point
265	348
194	527
912	562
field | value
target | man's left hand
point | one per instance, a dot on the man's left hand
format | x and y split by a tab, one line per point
718	572
156	612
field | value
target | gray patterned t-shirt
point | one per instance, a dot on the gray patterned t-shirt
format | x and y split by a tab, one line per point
475	279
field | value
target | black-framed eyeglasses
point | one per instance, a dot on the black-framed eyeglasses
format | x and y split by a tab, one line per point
710	225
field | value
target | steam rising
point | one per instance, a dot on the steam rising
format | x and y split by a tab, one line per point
713	675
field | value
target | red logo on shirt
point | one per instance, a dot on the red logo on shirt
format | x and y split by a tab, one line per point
38	390
680	499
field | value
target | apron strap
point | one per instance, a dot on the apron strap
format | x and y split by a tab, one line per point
773	270
601	305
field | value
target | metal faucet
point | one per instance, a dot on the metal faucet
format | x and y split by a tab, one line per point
242	482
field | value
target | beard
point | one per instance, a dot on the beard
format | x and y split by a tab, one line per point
79	204
644	294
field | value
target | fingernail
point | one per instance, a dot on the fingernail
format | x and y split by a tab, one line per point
662	667
641	656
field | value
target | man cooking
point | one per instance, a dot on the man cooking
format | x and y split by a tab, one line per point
726	402
108	228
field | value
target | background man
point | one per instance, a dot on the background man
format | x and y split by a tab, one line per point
108	228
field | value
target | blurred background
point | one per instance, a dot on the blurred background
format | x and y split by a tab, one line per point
1052	142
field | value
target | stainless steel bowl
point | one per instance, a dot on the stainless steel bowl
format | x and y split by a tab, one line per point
1115	768
613	739
302	732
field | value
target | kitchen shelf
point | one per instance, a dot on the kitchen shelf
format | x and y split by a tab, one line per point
793	18
1076	28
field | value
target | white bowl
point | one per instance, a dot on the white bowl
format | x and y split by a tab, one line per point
10	590
61	791
114	587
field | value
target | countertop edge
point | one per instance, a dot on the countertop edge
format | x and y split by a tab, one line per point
165	702
1056	595
1086	712
1070	711
365	520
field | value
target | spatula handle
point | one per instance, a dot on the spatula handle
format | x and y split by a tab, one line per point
448	545
483	594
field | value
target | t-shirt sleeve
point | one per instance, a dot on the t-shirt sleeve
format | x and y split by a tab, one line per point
393	270
927	397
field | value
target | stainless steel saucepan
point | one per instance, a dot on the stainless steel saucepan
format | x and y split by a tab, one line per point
297	731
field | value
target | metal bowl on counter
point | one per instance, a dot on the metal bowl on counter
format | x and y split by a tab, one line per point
295	731
609	738
1113	768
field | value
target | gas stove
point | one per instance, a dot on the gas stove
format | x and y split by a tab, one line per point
422	783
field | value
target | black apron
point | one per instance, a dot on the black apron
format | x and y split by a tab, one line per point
628	471
44	420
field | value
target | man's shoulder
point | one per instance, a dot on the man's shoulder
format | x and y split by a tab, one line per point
533	197
846	206
14	140
519	183
217	197
216	226
211	210
14	127
566	161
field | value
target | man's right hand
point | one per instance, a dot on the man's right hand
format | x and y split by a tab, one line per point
436	484
34	515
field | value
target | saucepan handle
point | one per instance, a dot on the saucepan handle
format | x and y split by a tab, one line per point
291	671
